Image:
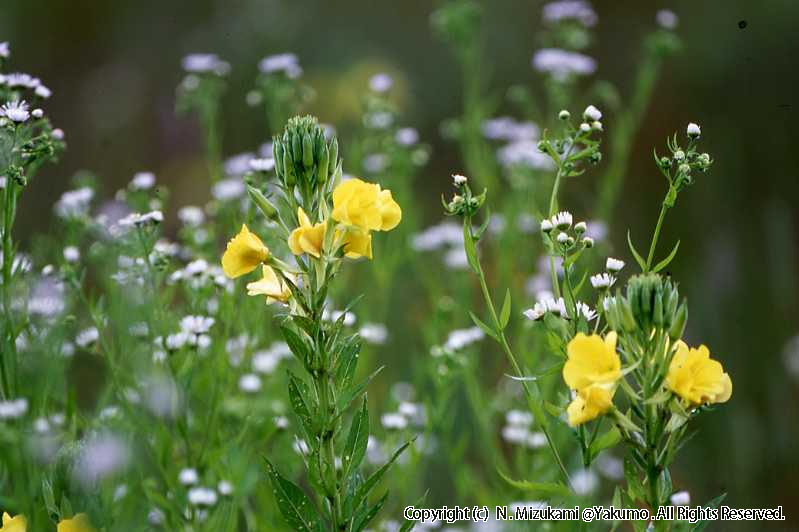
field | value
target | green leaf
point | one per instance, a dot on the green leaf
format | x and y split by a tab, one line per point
713	503
370	513
350	395
294	504
49	500
6	142
616	502
375	477
545	488
504	314
408	525
355	449
224	518
485	328
665	262
296	344
347	362
298	391
471	249
606	441
641	262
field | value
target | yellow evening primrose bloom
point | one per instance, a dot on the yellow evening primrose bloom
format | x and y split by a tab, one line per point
307	238
357	243
592	360
271	286
696	377
244	253
589	403
14	524
79	523
365	205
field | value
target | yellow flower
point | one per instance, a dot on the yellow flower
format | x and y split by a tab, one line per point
271	286
592	360
357	243
696	377
307	238
14	524
366	206
79	523
244	253
589	403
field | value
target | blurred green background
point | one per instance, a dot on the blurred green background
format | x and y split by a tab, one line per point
113	67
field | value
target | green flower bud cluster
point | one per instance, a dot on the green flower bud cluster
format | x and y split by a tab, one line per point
680	167
651	302
579	143
464	203
304	158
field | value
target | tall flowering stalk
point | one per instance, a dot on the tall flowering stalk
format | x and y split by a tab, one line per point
327	222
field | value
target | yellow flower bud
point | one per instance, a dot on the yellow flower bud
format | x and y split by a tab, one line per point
696	377
79	523
307	238
14	524
244	253
273	287
357	243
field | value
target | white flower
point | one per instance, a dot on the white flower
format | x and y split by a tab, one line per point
200	496
43	92
602	280
229	189
562	238
380	82
587	312
460	338
693	130
14	408
562	63
262	164
196	324
394	420
681	498
519	417
288	64
87	337
71	254
16	111
536	312
596	125
546	226
578	10
37	113
191	216
564	114
205	63
250	383
406	136
592	113
581	227
188	476
458	179
588	241
136	219
562	220
667	19
556	306
374	333
142	181
224	487
585	127
679	155
614	265
5	50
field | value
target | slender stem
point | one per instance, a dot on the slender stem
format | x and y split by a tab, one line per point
655	236
538	412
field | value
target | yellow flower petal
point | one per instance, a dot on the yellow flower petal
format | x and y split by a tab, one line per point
271	286
307	238
356	243
590	403
79	523
591	360
364	205
243	254
14	524
696	377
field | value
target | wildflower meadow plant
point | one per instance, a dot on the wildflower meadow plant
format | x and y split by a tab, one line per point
330	220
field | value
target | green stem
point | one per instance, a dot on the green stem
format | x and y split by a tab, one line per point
655	237
535	406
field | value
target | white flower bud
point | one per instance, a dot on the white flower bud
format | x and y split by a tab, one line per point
562	238
679	155
592	113
685	169
693	130
546	226
588	241
564	115
580	227
458	179
614	265
584	127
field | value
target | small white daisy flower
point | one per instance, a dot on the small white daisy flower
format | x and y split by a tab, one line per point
458	179
602	280
16	111
562	220
614	265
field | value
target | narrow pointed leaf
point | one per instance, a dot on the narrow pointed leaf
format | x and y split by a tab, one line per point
665	262
355	449
485	328
641	262
504	314
294	504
